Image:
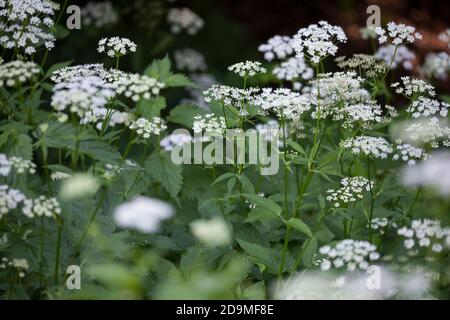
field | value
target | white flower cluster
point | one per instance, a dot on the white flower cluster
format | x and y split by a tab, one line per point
99	14
331	90
209	123
116	47
352	190
41	207
137	87
175	140
26	24
279	47
17	72
437	65
432	173
293	68
213	232
433	131
286	104
366	113
397	33
19	265
408	153
349	253
146	128
425	107
380	224
143	214
247	68
10	199
82	95
376	147
425	234
230	96
444	36
190	60
5	165
366	64
67	74
22	166
58	175
184	19
403	56
413	88
317	41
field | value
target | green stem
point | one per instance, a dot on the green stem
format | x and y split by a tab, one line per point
58	251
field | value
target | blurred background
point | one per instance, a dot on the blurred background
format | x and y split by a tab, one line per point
232	30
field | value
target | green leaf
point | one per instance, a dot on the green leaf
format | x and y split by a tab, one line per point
161	168
224	176
159	69
260	253
20	145
309	250
265	203
297	147
299	225
56	67
184	114
99	150
178	80
150	108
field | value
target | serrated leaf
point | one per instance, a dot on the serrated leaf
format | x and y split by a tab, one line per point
20	145
309	250
184	114
159	69
299	225
262	254
178	80
150	108
161	168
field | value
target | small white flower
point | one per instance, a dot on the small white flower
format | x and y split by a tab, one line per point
146	128
116	47
247	68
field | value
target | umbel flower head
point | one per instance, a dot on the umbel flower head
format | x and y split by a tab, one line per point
349	254
116	47
17	72
10	199
374	147
99	14
397	33
41	207
425	234
143	214
294	68
82	95
286	104
181	19
396	56
209	124
247	68
317	41
366	64
279	47
26	24
146	128
352	190
213	232
414	88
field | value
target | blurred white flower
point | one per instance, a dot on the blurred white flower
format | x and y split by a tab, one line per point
433	173
213	232
403	56
379	283
143	214
78	186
